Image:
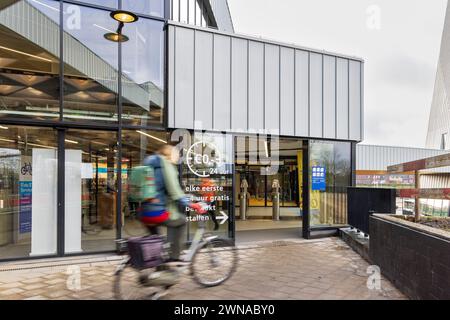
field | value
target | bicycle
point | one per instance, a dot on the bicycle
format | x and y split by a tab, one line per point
216	252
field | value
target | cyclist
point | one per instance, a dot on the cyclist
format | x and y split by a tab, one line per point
168	207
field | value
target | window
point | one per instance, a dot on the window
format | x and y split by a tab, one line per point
149	7
90	190
136	145
143	73
330	175
29	64
104	3
90	65
28	184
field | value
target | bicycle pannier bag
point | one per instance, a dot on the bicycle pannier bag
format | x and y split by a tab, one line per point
146	252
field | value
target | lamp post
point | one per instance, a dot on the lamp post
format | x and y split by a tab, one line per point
122	17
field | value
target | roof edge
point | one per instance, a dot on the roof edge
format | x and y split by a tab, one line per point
265	40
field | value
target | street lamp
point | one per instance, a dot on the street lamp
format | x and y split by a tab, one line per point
116	37
122	17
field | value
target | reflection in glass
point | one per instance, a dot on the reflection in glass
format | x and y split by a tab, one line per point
143	73
90	190
136	145
209	180
150	7
328	206
27	191
90	65
29	64
104	3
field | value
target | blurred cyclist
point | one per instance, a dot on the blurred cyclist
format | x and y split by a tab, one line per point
168	207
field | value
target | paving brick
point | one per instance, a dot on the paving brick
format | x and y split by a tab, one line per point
308	270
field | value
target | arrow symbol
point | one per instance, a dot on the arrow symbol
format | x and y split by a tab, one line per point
224	217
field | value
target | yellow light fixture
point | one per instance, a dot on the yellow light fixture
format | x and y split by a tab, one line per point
124	16
25	54
150	136
71	141
116	37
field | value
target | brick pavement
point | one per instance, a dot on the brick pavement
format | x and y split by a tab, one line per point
317	269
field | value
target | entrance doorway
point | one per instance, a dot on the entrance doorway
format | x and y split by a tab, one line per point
271	182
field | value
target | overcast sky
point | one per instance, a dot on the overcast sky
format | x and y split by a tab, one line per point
398	39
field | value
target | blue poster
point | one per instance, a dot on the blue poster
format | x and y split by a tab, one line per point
318	178
25	192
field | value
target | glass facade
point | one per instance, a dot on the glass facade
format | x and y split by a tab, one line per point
30	64
190	12
90	190
207	176
58	69
143	77
91	73
329	176
28	189
136	145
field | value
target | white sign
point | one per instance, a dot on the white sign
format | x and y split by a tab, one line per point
87	171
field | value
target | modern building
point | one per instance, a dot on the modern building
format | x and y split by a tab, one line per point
439	120
84	98
372	162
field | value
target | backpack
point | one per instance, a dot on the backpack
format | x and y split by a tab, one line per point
142	184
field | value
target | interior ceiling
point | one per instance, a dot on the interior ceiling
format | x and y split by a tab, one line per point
87	140
24	64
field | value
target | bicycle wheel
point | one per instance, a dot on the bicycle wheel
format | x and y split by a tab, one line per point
128	285
214	262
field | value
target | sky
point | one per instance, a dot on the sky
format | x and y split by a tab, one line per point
399	41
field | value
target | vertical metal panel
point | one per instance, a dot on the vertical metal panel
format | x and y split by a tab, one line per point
203	79
287	92
373	157
342	99
271	87
243	84
171	75
329	97
301	93
255	86
316	98
184	78
239	79
354	100
222	86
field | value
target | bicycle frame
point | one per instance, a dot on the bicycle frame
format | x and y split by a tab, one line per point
198	240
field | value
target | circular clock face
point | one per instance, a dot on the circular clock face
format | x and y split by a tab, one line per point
203	159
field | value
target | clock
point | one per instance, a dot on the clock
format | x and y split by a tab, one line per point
203	159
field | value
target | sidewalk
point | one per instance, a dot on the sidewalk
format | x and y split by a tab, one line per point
289	269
